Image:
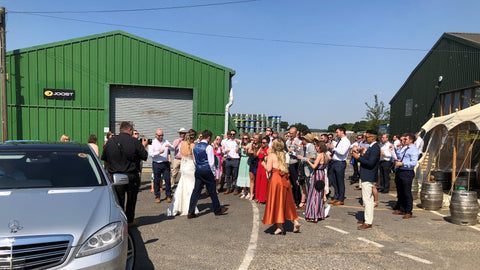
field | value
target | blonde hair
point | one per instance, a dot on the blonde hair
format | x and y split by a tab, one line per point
64	138
277	147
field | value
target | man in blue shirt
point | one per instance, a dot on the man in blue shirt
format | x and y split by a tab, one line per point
405	174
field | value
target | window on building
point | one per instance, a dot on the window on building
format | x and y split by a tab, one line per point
408	107
465	98
456	102
446	104
476	97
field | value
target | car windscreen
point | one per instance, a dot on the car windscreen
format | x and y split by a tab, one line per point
48	169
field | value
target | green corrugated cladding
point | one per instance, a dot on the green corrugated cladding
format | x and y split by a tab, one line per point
457	62
89	65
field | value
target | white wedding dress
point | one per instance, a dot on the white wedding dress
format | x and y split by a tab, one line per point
181	198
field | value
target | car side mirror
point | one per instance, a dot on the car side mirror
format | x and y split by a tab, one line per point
120	179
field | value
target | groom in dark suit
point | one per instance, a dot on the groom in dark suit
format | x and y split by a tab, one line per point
369	175
204	175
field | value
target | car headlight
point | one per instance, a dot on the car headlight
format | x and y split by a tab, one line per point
106	238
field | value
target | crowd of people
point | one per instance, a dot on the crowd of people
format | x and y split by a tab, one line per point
296	172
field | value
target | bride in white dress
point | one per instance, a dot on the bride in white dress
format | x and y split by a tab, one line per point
181	198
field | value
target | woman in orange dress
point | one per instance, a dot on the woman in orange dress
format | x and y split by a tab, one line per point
280	205
261	185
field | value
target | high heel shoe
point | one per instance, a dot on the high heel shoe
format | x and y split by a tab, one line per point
296	228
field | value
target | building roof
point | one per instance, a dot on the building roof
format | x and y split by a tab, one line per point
468	39
122	33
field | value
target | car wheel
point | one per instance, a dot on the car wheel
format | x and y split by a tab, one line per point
131	252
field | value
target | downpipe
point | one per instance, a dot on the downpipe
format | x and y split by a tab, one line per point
227	110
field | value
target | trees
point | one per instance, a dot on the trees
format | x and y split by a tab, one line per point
377	114
300	126
284	125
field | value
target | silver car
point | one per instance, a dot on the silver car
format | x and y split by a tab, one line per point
58	210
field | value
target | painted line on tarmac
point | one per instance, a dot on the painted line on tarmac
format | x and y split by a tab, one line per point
437	213
442	215
370	242
415	258
475	228
337	229
253	239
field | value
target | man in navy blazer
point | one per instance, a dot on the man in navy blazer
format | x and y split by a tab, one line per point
369	175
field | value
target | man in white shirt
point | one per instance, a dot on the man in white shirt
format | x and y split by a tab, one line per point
204	175
336	170
385	164
158	151
396	141
419	144
232	161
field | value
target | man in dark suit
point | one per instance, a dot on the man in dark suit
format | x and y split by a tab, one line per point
369	175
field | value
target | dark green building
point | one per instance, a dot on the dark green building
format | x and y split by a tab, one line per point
445	80
89	85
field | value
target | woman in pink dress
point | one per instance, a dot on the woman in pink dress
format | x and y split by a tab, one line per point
218	152
262	179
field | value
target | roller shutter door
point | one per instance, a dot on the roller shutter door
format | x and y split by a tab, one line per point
150	108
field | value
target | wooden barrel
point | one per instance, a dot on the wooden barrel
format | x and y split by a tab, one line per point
443	177
464	207
431	196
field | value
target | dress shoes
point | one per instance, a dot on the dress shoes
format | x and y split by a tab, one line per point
332	202
407	216
235	192
169	199
398	212
338	203
227	192
358	188
221	212
157	200
364	226
360	222
190	216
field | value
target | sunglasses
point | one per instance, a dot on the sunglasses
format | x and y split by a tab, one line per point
264	142
245	138
135	133
161	135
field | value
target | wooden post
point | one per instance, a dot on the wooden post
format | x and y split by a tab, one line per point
454	162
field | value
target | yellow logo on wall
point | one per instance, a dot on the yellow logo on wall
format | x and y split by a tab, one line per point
61	94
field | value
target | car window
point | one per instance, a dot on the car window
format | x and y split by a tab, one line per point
40	169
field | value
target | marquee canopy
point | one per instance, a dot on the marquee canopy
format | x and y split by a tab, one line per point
470	114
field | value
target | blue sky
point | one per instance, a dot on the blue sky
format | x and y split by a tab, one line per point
303	80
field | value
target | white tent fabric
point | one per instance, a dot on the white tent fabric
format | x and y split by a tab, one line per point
471	114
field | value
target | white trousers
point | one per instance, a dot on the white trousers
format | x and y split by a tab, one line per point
367	197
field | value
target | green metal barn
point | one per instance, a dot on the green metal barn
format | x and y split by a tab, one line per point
447	79
89	85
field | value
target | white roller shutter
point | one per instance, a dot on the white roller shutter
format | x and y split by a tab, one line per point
150	108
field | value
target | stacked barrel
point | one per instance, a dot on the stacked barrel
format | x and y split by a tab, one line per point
255	123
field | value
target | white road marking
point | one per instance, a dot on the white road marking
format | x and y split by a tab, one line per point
415	258
473	227
370	242
336	229
437	213
253	239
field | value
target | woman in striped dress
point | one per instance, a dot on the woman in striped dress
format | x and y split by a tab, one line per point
315	207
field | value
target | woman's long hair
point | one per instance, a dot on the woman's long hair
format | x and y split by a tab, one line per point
277	147
191	136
